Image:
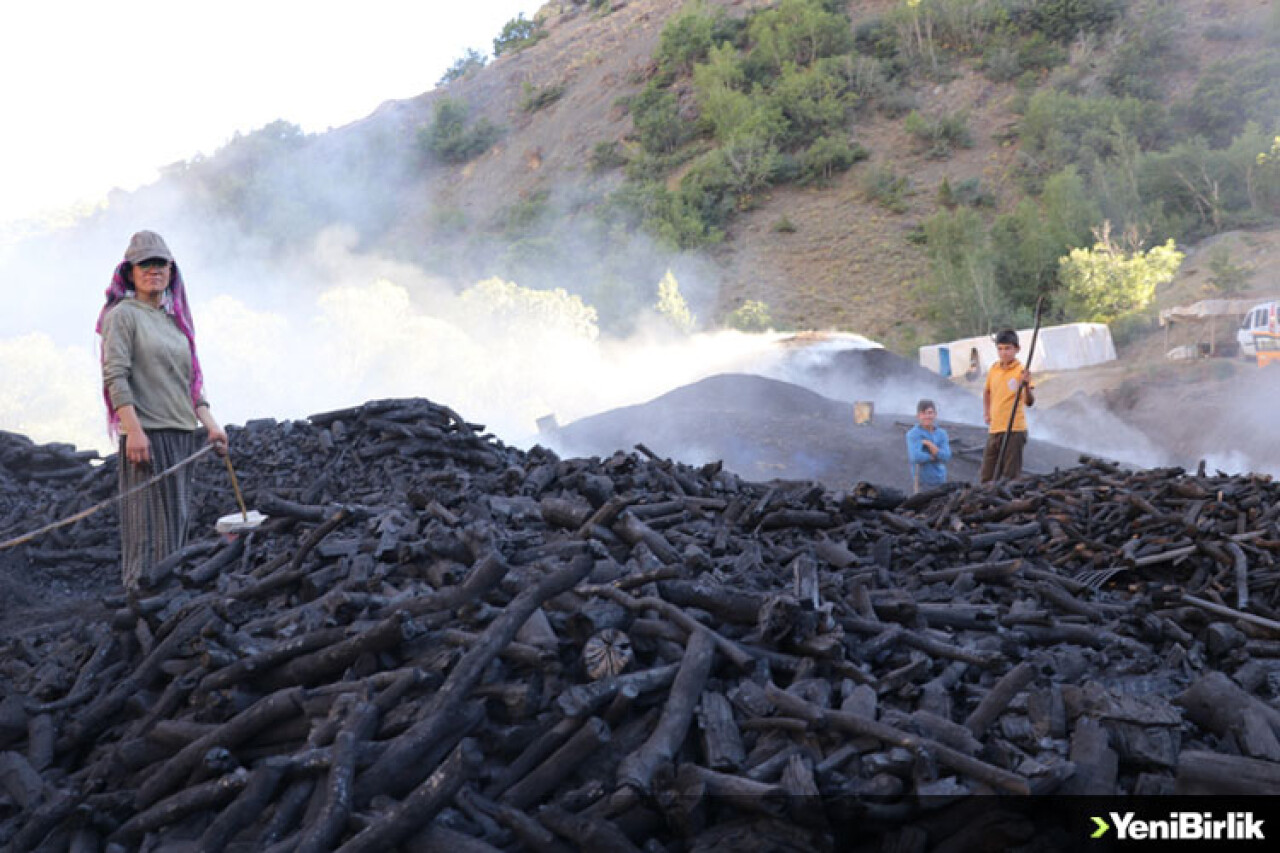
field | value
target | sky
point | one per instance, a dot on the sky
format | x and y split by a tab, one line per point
99	95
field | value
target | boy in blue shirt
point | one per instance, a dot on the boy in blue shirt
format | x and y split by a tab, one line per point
928	448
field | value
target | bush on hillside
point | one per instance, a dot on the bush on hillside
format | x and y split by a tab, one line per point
521	216
667	215
1006	58
1230	94
466	65
942	134
964	26
686	38
751	316
1266	191
1058	129
928	31
534	98
607	154
517	34
886	188
727	179
877	38
1147	54
827	156
1064	20
968	192
795	32
814	102
866	79
726	109
1202	191
655	114
451	139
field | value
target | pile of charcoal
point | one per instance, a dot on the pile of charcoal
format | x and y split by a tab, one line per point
438	642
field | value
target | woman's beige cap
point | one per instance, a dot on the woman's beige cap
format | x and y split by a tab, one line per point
147	244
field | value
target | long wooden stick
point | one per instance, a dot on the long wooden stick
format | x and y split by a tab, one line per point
235	485
101	505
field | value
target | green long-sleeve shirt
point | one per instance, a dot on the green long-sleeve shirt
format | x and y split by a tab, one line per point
147	364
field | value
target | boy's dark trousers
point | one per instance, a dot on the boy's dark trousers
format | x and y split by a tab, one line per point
1012	456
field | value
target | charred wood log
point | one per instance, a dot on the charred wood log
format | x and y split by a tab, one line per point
558	766
421	806
638	769
398	767
237	730
1213	773
996	777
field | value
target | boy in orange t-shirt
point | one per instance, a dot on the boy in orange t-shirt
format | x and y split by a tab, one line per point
1004	379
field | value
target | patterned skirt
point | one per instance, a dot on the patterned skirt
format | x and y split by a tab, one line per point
153	522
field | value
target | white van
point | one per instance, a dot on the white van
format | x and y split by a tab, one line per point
1261	318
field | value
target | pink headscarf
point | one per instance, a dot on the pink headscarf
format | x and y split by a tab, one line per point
175	305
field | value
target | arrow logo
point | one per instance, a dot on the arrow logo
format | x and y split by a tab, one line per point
1102	828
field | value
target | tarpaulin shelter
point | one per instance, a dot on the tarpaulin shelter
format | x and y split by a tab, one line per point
1207	313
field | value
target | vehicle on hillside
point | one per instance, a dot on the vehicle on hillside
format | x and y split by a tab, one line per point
1267	347
1261	318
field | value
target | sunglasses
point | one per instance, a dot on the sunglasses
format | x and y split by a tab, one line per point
154	263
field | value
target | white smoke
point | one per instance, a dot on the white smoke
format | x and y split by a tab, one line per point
337	328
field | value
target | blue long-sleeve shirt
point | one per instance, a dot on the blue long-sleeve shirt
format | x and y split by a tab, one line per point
932	470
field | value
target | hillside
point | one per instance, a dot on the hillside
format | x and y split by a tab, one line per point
819	256
546	172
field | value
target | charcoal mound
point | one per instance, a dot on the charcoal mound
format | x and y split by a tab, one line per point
763	429
408	654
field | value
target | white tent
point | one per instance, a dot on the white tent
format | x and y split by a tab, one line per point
1065	347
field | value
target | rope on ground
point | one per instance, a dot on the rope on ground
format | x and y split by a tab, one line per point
101	505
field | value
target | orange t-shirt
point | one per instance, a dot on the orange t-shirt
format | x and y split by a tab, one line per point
1002	385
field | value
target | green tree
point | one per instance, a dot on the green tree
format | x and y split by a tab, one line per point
1106	283
1225	275
751	316
508	309
1029	241
960	292
1147	54
813	101
797	32
655	113
672	306
729	111
825	157
686	38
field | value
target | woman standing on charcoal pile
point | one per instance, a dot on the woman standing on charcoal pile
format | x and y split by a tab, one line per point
154	391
